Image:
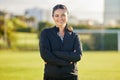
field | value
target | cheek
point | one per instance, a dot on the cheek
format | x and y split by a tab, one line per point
54	19
66	18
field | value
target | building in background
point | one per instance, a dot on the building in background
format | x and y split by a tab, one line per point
38	14
112	12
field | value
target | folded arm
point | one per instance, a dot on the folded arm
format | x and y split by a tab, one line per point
72	56
46	54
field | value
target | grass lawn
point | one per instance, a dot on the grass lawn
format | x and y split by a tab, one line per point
27	65
23	41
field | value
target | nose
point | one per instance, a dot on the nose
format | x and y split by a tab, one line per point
60	17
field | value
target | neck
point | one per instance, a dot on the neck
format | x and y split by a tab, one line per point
61	28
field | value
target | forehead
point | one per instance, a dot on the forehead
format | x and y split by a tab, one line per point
60	11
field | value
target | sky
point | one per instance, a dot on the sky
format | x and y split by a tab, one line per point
81	9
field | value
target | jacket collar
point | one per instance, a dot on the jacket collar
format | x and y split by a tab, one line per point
66	36
57	29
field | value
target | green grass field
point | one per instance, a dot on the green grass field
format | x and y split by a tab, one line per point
27	65
23	41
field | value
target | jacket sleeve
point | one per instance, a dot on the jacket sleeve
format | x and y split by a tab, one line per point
73	56
46	54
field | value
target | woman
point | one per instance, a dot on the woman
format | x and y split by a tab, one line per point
60	48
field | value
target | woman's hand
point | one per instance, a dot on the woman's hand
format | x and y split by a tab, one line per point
45	62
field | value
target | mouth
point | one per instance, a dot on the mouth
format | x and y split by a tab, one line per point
60	21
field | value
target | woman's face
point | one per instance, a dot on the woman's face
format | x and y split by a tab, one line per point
60	17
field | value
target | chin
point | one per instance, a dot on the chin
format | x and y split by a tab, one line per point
60	24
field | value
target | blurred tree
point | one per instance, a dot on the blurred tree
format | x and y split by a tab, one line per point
18	23
82	26
43	25
6	28
31	19
1	26
10	32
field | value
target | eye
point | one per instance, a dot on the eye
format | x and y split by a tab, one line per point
56	15
63	15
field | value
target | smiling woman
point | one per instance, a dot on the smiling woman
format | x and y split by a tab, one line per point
60	48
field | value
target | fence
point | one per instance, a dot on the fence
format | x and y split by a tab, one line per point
102	32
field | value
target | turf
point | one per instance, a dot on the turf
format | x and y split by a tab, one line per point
27	65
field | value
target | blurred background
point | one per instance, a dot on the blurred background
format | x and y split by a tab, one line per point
96	21
22	21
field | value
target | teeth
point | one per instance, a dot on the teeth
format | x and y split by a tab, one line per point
60	21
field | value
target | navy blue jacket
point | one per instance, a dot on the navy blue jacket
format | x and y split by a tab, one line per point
60	56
